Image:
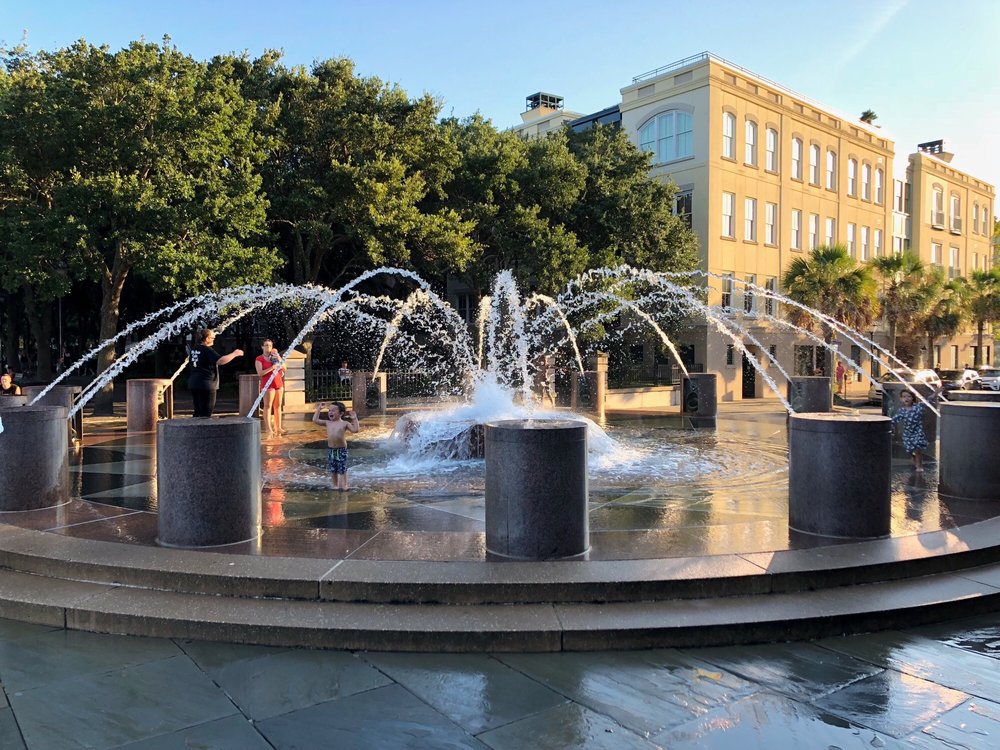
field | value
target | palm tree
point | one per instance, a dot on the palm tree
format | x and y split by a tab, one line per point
899	278
869	116
830	281
942	308
984	304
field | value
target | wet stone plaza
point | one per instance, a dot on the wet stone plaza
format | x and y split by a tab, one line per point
934	686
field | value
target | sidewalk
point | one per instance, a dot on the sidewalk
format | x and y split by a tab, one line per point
932	687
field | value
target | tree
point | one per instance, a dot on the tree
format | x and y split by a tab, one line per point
868	116
830	282
142	160
352	169
899	279
942	308
983	304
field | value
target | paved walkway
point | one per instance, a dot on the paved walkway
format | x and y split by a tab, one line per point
932	687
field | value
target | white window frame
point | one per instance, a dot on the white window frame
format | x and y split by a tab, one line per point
936	250
749	298
814	154
728	283
877	242
796	233
831	231
813	231
771	223
663	137
750	150
975	218
852	239
865	243
879	187
771	153
796	158
831	169
750	219
955	222
729	217
866	182
729	135
771	304
852	178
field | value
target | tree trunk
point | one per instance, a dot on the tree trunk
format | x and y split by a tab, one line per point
12	326
892	337
40	321
930	352
112	282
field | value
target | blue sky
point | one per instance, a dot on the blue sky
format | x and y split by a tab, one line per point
927	68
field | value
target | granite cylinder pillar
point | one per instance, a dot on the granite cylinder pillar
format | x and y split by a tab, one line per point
249	390
60	395
143	397
970	436
34	458
810	393
600	391
529	514
890	404
983	396
699	405
208	481
839	472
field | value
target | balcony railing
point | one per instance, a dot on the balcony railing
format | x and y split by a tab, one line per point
937	219
956	224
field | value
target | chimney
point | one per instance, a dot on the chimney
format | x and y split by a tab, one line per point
541	105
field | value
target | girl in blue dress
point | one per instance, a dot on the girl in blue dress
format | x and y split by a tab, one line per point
911	417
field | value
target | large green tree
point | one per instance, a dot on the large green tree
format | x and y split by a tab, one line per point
899	278
140	161
983	304
831	282
942	310
353	168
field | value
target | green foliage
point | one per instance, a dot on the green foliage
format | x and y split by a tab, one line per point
830	281
899	280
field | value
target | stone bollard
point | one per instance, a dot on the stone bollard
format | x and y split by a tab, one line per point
60	395
962	396
295	381
970	434
249	390
810	393
359	392
143	397
208	481
34	458
600	362
890	403
529	516
699	405
839	474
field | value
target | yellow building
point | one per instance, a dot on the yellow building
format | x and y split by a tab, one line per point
951	226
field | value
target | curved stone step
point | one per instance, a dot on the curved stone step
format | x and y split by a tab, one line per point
383	581
724	620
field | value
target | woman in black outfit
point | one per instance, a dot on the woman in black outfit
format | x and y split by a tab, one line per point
203	377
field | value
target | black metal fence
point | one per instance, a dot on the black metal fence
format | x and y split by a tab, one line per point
641	375
331	385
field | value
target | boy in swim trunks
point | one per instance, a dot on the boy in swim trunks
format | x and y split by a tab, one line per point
338	422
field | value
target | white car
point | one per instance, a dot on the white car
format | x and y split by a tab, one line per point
929	377
989	377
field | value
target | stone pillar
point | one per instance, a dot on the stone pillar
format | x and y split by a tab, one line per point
295	382
963	396
208	481
359	392
528	515
34	457
890	403
600	389
143	397
381	382
249	390
970	435
810	393
839	472
574	389
60	395
699	404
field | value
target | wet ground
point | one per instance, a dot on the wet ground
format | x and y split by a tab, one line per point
931	687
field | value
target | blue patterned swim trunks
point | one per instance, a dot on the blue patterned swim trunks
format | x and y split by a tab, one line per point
336	460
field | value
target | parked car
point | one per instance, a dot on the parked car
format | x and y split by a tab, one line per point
958	380
989	377
927	377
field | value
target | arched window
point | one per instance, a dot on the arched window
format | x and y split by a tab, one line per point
751	143
797	158
667	136
937	208
814	164
831	170
879	187
852	177
729	135
866	182
771	158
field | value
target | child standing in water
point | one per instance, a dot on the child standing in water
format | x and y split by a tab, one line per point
911	417
338	422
